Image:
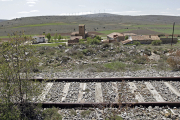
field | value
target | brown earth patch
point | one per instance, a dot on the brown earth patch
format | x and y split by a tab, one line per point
96	33
69	34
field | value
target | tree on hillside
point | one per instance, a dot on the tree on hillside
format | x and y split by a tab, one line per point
55	36
17	61
98	37
126	37
59	37
49	37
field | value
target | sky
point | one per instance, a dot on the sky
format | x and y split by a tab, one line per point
10	9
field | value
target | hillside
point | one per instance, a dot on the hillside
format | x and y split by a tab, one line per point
1	20
94	22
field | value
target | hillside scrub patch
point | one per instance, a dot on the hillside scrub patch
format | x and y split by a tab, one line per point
137	43
84	113
88	51
115	65
92	41
51	114
174	61
98	37
156	42
141	60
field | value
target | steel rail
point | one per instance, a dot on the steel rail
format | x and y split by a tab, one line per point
101	105
107	79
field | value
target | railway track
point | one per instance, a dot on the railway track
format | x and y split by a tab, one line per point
85	93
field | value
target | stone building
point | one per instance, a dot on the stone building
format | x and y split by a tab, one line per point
82	34
144	39
39	39
115	37
168	40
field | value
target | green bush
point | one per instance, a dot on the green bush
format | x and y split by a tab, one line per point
92	41
137	43
49	37
98	37
51	114
126	37
82	41
156	42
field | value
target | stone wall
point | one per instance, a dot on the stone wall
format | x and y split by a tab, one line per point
168	40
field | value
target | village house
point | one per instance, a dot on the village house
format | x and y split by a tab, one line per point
75	36
144	39
39	39
115	37
129	35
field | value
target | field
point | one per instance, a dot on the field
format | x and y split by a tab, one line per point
38	25
99	23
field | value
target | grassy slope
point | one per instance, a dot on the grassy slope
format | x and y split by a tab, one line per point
167	31
38	25
8	36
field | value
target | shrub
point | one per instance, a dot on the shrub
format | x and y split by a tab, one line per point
174	61
93	41
51	114
141	60
84	113
126	37
156	42
82	41
137	43
49	37
155	52
115	65
86	51
60	37
98	37
106	45
41	52
104	55
73	112
147	52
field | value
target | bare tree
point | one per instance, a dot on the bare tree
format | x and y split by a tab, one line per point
17	61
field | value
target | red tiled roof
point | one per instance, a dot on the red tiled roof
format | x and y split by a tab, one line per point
126	41
114	33
145	37
129	34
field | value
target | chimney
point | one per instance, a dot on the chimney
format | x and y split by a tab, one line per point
149	36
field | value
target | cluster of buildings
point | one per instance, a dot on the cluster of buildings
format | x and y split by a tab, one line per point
124	38
76	36
131	37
